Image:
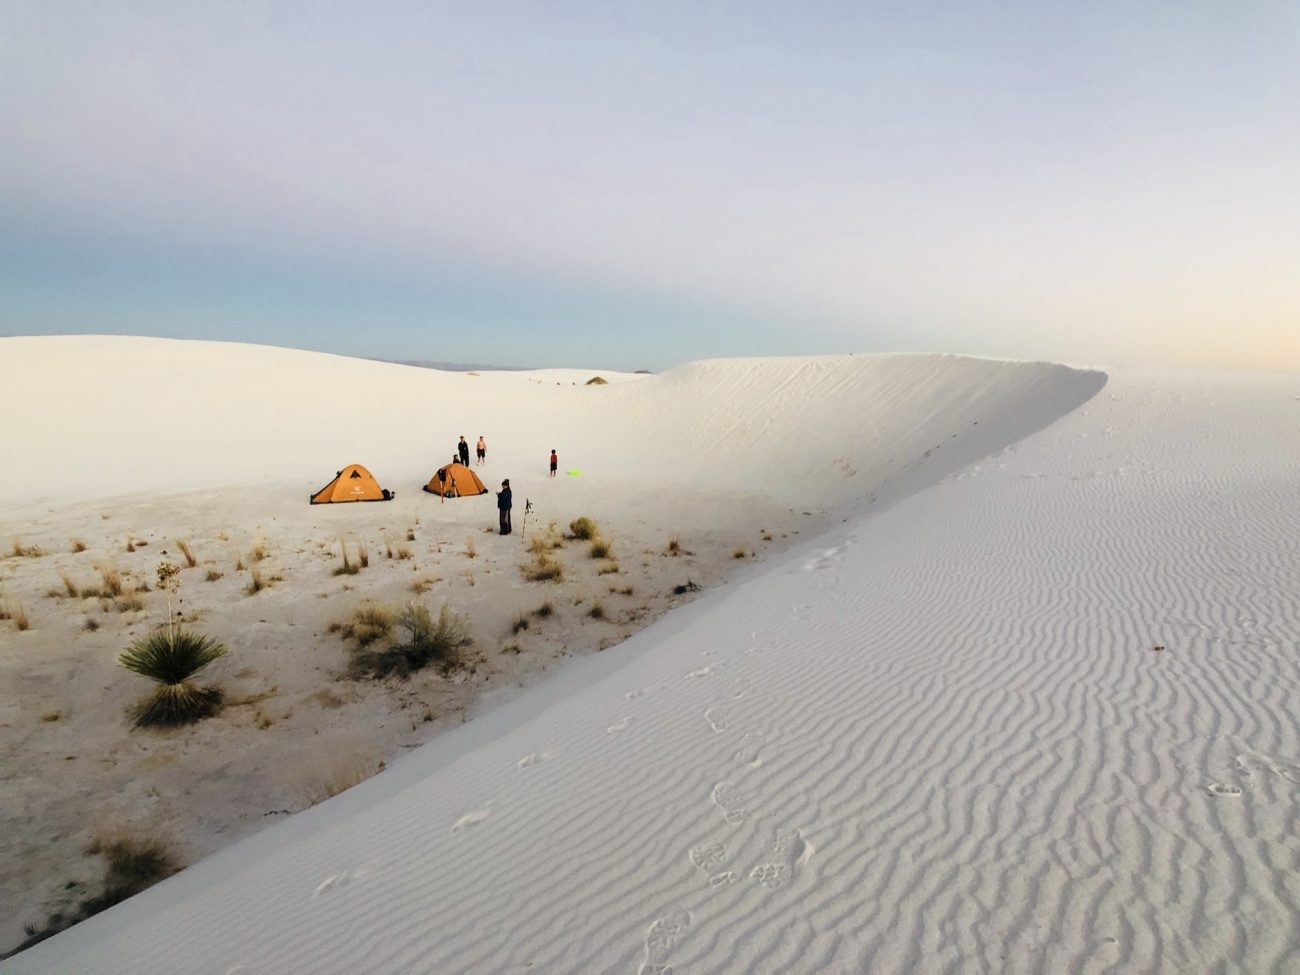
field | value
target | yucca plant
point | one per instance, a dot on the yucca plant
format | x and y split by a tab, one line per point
172	656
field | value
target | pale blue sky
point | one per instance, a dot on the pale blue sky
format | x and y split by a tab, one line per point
635	185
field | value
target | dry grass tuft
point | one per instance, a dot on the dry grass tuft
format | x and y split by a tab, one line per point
91	624
597	381
363	555
609	568
369	623
78	545
130	545
600	548
259	552
68	584
343	771
255	581
26	551
111	578
470	550
597	611
583	529
403	552
520	623
421	586
130	602
18	613
184	546
410	534
213	575
544	568
544	610
739	553
348	568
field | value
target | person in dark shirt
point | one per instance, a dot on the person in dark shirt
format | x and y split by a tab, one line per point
503	506
463	449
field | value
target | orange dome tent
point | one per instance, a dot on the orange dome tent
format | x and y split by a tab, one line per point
461	482
353	483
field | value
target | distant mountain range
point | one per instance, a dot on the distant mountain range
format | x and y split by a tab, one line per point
452	366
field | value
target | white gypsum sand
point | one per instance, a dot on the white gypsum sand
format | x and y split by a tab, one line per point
937	738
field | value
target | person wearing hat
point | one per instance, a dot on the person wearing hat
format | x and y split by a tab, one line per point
503	506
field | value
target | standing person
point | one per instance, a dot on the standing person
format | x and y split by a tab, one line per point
463	449
442	485
555	462
503	506
481	450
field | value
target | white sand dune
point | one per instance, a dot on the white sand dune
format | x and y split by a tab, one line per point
938	738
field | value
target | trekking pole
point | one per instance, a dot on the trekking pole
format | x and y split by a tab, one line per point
528	506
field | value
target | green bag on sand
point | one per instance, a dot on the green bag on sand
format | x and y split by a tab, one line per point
574	472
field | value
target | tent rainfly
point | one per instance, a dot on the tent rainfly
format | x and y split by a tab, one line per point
457	481
353	483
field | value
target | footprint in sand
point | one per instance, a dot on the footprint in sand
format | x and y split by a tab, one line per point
471	819
749	749
706	856
533	758
664	935
787	851
702	672
634	694
740	687
1219	789
621	725
731	801
717	719
725	879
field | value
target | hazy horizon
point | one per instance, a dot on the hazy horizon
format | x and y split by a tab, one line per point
1106	184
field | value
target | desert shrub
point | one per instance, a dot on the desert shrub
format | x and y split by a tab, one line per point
544	568
520	623
91	624
425	642
739	553
186	551
213	575
583	529
369	623
597	381
172	657
470	550
78	545
132	864
544	610
600	548
597	611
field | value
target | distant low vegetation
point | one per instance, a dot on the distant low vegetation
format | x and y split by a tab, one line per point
425	641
